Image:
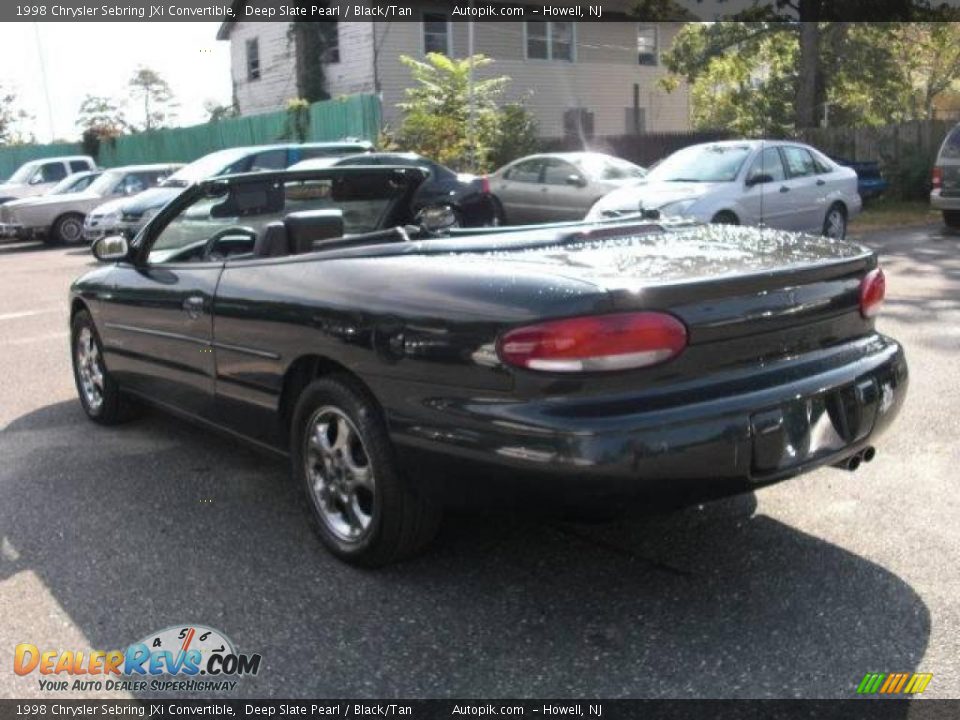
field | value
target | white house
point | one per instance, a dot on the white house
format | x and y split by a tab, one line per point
596	78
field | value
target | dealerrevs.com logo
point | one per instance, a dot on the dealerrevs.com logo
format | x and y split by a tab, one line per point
184	658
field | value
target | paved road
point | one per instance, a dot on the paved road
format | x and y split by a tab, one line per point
797	592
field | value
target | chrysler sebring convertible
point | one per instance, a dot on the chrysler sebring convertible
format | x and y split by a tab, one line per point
312	314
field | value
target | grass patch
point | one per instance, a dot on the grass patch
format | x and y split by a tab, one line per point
883	213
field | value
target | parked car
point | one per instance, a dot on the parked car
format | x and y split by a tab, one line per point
59	218
466	197
945	195
300	311
870	181
559	186
74	183
129	216
777	184
38	176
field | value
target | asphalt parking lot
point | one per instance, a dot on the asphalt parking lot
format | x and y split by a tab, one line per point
109	534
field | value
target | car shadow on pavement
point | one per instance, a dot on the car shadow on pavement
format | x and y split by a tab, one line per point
152	524
25	246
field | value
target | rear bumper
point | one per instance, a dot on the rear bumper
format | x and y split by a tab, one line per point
727	435
939	202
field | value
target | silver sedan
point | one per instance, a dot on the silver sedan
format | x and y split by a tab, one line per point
559	186
778	184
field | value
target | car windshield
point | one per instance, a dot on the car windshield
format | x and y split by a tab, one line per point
702	163
606	167
207	166
73	183
106	183
24	173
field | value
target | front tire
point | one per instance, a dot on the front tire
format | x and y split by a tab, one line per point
363	509
100	396
835	223
951	218
67	229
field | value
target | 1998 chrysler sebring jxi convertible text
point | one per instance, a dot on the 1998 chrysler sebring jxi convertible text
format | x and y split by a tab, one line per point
307	312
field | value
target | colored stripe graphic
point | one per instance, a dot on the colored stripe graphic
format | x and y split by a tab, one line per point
894	683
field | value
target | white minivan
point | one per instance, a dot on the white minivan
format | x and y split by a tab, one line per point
945	195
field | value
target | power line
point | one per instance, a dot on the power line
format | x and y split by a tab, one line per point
43	79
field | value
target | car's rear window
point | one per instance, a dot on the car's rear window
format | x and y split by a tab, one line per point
951	146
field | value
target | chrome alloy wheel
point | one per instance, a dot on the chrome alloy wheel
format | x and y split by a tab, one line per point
89	369
339	473
836	225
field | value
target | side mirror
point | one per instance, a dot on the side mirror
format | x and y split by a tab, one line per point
576	181
111	248
437	217
759	179
36	180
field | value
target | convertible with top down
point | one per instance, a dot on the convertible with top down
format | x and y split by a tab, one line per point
392	358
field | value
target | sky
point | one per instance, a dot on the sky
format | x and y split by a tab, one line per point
99	58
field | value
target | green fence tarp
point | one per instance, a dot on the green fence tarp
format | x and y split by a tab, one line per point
355	116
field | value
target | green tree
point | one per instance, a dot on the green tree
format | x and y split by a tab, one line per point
219	111
929	54
818	35
159	105
11	117
102	116
437	117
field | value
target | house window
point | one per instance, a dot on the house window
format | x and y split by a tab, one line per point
550	41
329	42
647	45
253	59
436	33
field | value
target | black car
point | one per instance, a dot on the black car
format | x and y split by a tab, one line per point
466	197
302	312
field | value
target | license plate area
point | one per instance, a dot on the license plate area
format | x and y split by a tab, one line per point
806	429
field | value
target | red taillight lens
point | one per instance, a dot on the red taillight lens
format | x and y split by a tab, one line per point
485	185
595	343
873	288
936	179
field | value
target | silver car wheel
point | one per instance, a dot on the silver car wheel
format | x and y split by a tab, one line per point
340	475
70	230
89	369
836	225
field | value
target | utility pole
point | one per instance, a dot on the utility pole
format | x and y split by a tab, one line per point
43	79
470	108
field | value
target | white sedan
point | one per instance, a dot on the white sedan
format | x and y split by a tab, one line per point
777	184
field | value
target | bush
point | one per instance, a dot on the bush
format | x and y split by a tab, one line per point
911	179
516	135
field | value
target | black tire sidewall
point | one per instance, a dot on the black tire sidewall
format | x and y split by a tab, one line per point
346	396
826	220
108	412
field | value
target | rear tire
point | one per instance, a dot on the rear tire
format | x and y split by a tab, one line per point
99	393
725	217
951	218
67	230
363	509
835	222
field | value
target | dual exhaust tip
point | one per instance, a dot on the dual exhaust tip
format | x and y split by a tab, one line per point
853	462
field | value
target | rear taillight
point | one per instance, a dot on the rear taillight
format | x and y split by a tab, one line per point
595	343
936	178
485	185
873	288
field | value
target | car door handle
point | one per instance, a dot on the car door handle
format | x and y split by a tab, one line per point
194	306
784	188
821	181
